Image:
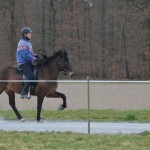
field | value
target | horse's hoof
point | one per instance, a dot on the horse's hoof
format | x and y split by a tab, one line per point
42	120
61	107
22	120
29	96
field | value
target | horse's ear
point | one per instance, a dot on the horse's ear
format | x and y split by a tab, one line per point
64	51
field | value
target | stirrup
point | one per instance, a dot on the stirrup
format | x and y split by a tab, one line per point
29	93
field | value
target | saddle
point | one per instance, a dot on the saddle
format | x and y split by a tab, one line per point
24	78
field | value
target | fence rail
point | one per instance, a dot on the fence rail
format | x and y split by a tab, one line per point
79	81
90	91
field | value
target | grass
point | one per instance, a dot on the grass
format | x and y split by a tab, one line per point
72	141
96	115
11	140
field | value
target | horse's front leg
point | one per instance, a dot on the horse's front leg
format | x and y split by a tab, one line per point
61	95
39	107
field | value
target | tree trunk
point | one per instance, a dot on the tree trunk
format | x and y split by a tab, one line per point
13	36
103	13
43	26
122	47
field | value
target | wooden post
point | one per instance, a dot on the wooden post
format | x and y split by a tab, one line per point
88	98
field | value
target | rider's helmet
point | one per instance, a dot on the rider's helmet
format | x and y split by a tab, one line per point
25	30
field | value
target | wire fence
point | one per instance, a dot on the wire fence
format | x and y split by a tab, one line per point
102	95
79	81
89	94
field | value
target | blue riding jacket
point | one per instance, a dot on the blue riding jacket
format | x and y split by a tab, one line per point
25	52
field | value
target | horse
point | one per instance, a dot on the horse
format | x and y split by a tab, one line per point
49	69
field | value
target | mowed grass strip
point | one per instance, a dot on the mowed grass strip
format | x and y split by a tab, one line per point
71	141
96	115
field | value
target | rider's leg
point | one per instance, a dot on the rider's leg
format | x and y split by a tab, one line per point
27	70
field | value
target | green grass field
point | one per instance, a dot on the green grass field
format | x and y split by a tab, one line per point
96	115
72	141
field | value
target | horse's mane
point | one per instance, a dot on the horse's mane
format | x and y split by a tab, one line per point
49	59
56	54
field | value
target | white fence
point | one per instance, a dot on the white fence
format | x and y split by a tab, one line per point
102	95
91	94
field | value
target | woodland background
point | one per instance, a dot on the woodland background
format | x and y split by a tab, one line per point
106	39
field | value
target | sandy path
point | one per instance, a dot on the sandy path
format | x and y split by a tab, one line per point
102	96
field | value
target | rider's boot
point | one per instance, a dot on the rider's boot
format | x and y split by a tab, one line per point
25	91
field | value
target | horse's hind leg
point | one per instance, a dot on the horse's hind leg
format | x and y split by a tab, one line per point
61	95
11	96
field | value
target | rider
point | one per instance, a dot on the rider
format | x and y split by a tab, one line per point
26	58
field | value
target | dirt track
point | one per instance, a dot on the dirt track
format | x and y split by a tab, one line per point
102	96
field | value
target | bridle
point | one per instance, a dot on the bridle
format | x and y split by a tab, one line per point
67	69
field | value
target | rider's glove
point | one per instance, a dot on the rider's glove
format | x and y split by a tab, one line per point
36	56
36	61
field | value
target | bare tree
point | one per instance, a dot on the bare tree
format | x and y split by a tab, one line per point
8	8
122	54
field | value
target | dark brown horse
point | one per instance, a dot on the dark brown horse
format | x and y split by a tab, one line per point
49	70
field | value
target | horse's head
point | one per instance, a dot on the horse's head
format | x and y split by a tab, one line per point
65	66
62	61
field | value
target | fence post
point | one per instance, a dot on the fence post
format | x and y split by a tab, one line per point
88	99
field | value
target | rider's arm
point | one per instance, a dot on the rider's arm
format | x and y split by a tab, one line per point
26	54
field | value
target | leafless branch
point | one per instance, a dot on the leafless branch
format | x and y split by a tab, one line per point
138	5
